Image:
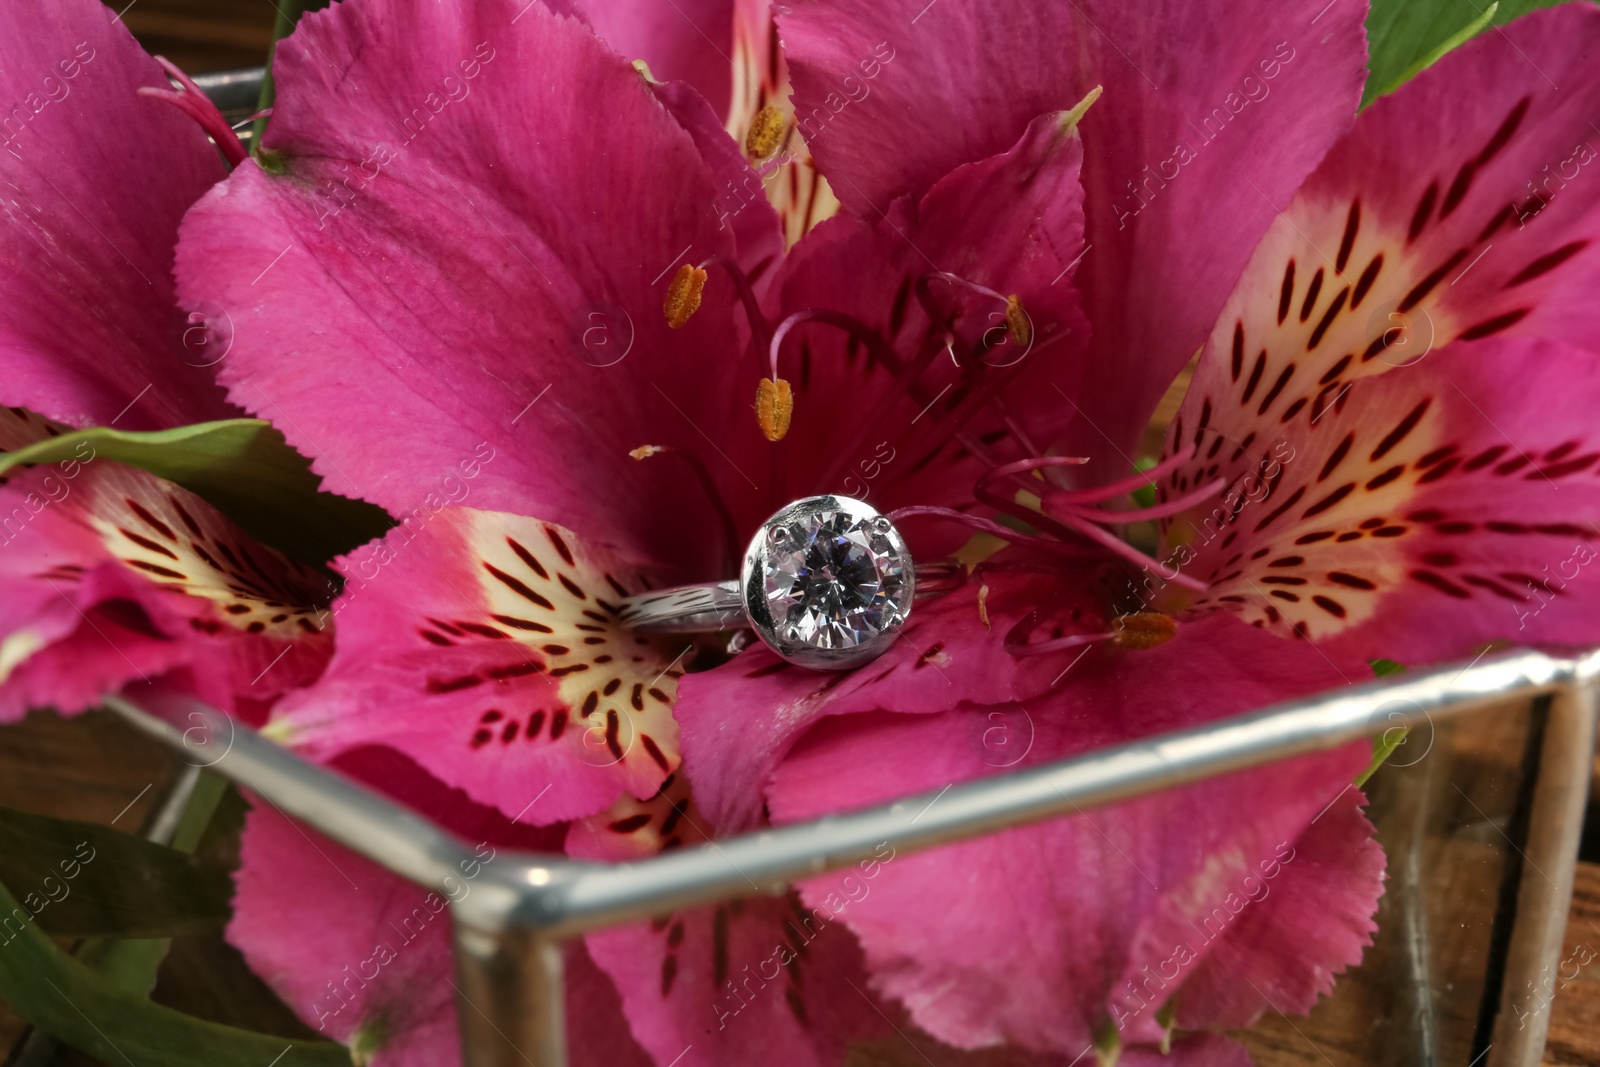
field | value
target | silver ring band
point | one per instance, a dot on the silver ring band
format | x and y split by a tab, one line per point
687	609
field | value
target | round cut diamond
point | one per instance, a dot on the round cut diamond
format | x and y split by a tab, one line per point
828	574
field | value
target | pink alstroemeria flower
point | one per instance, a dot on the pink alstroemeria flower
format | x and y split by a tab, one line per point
448	273
111	576
1385	451
417	239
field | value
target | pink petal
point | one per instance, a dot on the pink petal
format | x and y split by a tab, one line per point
97	179
760	980
1012	223
346	944
485	647
798	192
946	655
1418	230
1247	971
1468	185
687	40
1040	936
111	576
741	204
1428	510
892	95
460	257
355	949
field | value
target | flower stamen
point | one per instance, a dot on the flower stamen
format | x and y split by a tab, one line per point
840	321
190	99
942	319
683	295
1143	629
1111	490
760	328
768	130
1054	504
880	351
774	407
989	526
1140	630
1018	325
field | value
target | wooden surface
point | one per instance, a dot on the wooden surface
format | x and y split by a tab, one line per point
202	36
1443	820
1575	1012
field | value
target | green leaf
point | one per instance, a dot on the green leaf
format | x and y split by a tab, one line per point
1383	668
224	827
132	964
71	1003
243	468
209	790
1384	744
1383	747
1405	37
81	879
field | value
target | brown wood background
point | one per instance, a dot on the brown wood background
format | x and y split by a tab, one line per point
202	36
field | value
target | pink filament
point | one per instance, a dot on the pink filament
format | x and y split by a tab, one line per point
960	282
1116	544
192	101
1154	511
760	328
708	485
1126	485
1068	524
1020	648
988	526
838	320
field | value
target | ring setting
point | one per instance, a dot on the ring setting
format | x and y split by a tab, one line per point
827	583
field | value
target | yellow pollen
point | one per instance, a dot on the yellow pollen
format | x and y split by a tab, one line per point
983	605
645	451
1017	322
774	407
767	131
683	295
1144	629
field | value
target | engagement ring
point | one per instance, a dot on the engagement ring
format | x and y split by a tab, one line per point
827	583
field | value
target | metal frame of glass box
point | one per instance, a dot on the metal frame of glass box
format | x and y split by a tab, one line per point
508	931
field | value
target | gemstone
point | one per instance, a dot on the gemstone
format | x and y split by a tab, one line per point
831	574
